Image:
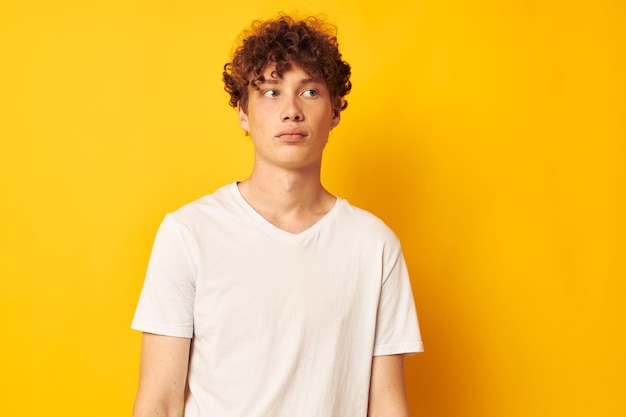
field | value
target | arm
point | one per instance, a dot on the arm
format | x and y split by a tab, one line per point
162	376
387	393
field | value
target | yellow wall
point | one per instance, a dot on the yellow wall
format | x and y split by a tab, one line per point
490	135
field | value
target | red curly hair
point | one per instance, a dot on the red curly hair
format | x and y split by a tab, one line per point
310	43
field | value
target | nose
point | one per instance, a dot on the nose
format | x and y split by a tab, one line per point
292	111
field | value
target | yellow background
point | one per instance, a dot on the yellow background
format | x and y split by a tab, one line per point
490	135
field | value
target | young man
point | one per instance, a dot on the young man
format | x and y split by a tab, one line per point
271	297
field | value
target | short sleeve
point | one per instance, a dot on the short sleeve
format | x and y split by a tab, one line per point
397	327
166	302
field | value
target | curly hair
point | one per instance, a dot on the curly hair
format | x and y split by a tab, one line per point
310	44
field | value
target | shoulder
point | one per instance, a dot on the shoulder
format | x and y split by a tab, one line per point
212	206
203	217
365	225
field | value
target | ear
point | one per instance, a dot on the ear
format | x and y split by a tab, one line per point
336	117
243	118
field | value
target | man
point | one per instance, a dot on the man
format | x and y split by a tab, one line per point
272	297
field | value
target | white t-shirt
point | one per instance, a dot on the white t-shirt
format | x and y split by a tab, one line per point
282	324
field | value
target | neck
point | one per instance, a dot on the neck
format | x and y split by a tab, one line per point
291	200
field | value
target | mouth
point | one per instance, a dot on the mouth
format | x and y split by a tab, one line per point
291	135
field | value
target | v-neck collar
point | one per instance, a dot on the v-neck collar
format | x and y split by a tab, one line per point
276	231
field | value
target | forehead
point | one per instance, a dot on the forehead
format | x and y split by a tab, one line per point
293	71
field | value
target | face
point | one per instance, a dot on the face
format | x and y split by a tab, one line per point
289	119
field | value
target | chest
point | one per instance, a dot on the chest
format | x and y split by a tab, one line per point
287	287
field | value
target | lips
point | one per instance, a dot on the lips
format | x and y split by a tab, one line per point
291	133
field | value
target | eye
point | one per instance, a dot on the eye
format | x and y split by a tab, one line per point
310	93
271	93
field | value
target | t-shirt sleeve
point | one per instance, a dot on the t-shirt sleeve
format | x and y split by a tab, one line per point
167	299
397	327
